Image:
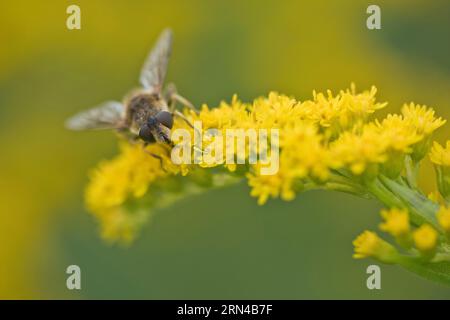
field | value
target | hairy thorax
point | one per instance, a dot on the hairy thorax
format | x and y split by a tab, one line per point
140	106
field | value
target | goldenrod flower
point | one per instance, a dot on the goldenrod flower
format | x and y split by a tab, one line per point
425	123
360	151
294	166
275	111
316	162
396	221
327	142
274	186
341	112
128	176
399	133
422	118
368	244
426	239
440	155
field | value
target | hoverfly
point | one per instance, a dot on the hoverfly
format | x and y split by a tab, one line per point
147	113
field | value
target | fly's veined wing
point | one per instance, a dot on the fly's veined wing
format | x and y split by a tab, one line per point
155	67
106	116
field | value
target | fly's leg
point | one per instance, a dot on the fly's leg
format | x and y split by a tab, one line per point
173	97
169	90
161	163
156	156
176	97
177	113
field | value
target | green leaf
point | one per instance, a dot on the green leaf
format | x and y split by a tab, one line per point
421	208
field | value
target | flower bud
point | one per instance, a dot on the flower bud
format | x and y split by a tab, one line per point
368	244
426	240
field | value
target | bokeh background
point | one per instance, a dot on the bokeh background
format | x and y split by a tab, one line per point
221	244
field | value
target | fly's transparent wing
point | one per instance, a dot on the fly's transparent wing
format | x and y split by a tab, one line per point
154	70
108	115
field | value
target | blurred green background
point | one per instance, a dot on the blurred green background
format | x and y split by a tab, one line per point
221	244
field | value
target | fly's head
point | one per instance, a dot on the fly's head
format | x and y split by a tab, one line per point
157	128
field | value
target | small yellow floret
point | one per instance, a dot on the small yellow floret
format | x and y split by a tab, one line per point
425	238
440	155
396	222
368	244
422	118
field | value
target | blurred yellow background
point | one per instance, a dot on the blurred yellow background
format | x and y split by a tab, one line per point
219	245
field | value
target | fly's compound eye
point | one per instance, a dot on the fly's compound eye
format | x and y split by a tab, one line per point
146	134
152	122
165	118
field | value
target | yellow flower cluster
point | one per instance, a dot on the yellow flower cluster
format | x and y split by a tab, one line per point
307	130
397	223
128	176
327	142
332	133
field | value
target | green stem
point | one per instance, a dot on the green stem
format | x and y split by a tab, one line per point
335	186
412	171
379	191
342	183
338	183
